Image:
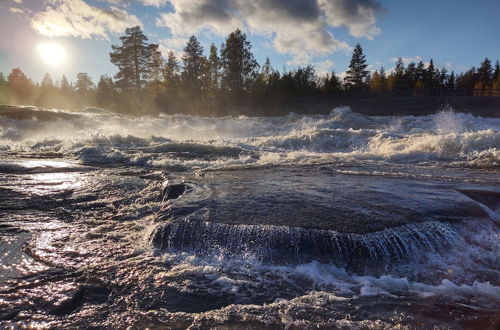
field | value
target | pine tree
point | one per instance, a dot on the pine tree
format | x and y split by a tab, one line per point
410	76
83	83
357	74
106	93
20	86
496	80
398	76
65	86
430	77
467	80
194	61
304	80
331	83
450	83
267	70
485	73
132	58
262	82
171	69
155	69
383	79
443	76
238	63
376	83
214	66
496	74
47	92
47	82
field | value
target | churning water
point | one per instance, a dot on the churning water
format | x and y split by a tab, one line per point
328	221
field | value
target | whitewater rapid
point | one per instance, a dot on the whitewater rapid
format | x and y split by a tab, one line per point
297	221
180	142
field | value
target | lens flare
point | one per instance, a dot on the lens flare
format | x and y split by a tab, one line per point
52	53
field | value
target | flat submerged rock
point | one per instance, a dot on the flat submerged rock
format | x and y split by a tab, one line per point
320	199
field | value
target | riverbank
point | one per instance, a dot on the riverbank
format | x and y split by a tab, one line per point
483	106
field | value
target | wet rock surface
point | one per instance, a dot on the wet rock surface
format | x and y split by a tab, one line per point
319	199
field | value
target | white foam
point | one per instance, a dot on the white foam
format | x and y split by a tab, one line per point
468	271
459	139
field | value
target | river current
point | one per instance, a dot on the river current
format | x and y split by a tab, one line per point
292	222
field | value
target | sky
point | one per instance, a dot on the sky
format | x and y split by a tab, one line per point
457	34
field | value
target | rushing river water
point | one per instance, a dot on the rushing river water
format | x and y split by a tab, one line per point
329	221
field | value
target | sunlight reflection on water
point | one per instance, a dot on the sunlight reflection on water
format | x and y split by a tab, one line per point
56	181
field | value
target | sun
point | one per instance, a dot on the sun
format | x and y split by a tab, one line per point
52	53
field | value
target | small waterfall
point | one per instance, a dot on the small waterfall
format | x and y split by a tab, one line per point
282	244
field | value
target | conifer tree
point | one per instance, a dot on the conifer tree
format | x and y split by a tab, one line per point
430	77
496	74
65	86
485	73
214	66
155	69
267	70
443	75
238	63
47	82
398	75
375	82
261	86
450	83
171	69
357	74
467	80
496	80
410	76
304	80
378	81
194	61
383	79
331	83
420	71
83	83
133	59
106	93
20	86
47	92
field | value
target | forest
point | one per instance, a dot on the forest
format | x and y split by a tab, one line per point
210	84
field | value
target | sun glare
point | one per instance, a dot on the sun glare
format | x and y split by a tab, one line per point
51	53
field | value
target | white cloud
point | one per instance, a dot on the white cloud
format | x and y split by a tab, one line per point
155	3
76	18
375	66
16	10
357	16
454	67
18	1
176	45
300	28
408	60
342	75
324	67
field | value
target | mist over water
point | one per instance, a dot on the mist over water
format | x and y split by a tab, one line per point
191	142
298	221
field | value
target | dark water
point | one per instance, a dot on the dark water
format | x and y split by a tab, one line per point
339	221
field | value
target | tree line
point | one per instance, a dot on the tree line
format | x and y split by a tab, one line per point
228	77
